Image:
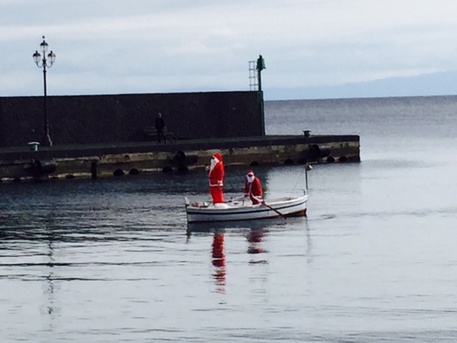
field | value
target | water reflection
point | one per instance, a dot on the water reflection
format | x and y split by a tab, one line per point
254	238
50	278
255	246
218	260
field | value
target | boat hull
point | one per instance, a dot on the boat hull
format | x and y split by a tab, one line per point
281	207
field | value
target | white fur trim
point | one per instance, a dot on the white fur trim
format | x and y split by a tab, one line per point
213	163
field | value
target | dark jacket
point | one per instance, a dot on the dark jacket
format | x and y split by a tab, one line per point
159	124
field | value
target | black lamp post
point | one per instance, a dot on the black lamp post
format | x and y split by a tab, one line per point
45	63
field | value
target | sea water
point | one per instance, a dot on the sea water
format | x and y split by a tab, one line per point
112	260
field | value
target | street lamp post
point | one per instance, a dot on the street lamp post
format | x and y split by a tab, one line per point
45	63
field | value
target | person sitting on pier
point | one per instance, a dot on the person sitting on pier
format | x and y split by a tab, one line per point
253	188
216	178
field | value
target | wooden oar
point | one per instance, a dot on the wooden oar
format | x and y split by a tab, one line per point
271	208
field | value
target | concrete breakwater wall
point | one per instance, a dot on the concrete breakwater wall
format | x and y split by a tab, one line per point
108	160
125	118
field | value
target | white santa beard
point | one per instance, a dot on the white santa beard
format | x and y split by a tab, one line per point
214	161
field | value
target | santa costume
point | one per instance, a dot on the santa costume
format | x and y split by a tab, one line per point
216	178
253	188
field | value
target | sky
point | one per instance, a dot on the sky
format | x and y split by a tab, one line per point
313	49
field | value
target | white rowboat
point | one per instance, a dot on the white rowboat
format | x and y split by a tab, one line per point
244	210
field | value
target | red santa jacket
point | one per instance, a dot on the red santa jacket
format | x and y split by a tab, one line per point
216	171
253	189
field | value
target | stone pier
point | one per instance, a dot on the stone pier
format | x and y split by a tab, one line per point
103	160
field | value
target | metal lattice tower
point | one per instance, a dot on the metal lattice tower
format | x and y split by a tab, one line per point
253	79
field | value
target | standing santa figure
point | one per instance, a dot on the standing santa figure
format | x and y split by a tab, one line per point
216	178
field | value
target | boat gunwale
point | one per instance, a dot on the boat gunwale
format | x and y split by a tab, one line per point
249	208
227	214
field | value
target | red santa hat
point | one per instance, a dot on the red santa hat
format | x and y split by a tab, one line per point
218	156
250	172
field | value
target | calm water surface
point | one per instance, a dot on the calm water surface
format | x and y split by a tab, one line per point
375	261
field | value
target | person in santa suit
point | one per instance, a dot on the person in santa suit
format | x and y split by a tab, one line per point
253	188
216	178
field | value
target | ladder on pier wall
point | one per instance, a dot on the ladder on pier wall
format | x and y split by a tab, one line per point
253	79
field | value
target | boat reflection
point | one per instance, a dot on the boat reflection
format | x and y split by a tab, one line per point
234	225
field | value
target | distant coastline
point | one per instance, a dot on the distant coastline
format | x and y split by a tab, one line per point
374	98
426	85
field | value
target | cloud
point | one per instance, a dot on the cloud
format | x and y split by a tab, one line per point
164	45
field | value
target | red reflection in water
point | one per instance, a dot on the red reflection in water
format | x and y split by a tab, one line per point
219	259
254	238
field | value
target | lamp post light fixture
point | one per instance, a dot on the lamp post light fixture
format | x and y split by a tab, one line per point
43	62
